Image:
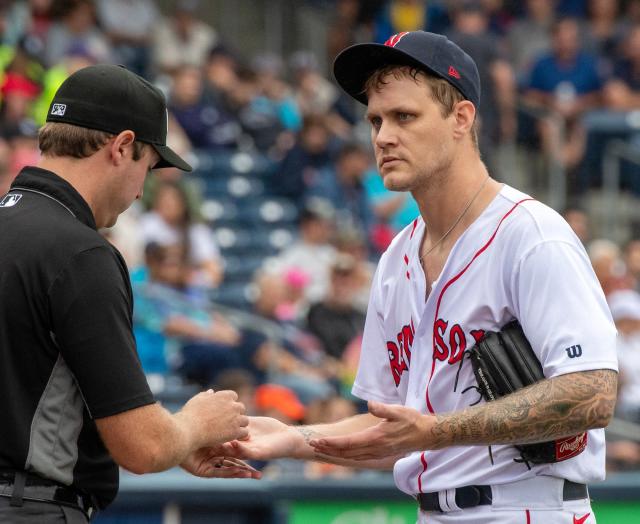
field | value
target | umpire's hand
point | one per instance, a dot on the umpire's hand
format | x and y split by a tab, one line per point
216	417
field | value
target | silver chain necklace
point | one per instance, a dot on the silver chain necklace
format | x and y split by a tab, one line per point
457	219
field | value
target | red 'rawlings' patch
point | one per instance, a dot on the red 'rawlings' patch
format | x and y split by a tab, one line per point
569	447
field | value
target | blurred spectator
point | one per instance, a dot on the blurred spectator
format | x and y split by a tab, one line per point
294	307
22	139
236	91
314	94
165	312
496	113
625	310
632	11
343	186
276	96
409	15
76	58
191	187
129	25
393	210
170	222
302	165
18	130
568	81
30	18
572	8
280	402
622	455
75	25
345	24
336	321
632	260
500	13
295	359
18	93
530	36
312	252
207	125
23	60
125	234
352	242
622	91
578	219
607	264
349	366
221	69
605	28
268	134
182	38
329	410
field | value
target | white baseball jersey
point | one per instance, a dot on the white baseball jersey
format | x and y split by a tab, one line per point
518	259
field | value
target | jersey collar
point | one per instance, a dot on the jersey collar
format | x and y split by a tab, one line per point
52	185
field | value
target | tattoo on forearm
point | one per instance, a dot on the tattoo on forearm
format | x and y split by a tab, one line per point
551	409
308	433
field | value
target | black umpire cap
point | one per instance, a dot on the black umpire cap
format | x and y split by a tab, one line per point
110	98
427	51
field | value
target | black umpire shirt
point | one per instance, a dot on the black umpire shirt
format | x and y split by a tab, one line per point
67	353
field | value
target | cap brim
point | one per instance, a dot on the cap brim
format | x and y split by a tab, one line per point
353	66
168	158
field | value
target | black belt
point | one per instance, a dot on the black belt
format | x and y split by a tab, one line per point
27	486
470	496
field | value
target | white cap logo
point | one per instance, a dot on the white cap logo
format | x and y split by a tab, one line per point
10	200
59	109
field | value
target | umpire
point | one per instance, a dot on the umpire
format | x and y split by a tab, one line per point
75	402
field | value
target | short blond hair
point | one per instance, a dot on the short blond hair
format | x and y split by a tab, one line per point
60	139
442	92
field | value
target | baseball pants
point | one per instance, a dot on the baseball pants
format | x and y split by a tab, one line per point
39	512
532	501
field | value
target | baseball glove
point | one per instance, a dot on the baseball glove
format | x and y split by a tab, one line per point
504	362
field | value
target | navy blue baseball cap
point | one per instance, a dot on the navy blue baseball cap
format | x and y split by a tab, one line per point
427	51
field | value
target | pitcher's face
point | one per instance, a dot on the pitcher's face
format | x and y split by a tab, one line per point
413	142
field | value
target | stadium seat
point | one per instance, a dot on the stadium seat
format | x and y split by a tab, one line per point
239	295
231	239
271	210
241	268
244	187
219	210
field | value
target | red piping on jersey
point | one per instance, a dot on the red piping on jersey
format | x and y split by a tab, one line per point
446	286
423	459
413	229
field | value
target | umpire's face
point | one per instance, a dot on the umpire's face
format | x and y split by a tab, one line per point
129	172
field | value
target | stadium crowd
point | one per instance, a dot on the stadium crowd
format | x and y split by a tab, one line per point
253	273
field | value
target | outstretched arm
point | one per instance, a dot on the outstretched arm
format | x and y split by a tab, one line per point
553	408
269	439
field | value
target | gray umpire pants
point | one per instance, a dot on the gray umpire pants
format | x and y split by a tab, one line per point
39	512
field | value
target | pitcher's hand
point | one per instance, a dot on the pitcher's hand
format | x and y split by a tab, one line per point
268	439
400	431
